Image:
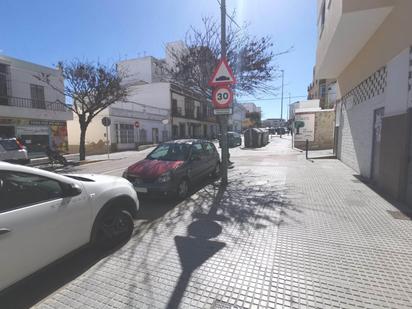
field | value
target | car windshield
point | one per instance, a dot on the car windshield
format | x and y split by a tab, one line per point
170	152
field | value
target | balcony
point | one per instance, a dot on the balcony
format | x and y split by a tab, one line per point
345	28
29	103
33	109
177	112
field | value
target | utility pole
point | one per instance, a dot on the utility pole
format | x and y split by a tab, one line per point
223	118
281	104
288	111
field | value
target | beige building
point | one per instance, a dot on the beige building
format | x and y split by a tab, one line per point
366	46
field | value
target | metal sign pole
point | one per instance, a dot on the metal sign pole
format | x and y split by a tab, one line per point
223	118
107	142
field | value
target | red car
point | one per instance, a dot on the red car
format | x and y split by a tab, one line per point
172	167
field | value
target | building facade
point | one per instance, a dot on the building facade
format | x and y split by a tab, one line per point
323	90
274	122
192	115
366	47
252	108
29	108
141	119
156	110
237	119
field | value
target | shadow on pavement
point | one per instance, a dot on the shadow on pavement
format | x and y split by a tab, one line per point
34	288
404	212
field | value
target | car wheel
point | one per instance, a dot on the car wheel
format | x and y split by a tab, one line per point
115	227
183	189
216	171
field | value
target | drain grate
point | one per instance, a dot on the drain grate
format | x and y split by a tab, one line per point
399	215
218	304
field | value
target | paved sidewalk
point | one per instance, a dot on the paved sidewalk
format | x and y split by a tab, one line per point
286	233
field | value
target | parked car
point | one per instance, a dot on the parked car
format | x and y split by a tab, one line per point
44	216
11	150
172	167
234	139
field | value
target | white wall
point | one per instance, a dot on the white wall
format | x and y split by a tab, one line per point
156	95
22	75
136	70
356	135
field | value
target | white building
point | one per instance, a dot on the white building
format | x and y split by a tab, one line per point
273	122
252	108
367	47
237	118
313	105
156	110
31	109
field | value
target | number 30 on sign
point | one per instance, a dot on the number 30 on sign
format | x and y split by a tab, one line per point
222	97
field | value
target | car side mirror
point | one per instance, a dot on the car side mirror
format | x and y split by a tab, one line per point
72	189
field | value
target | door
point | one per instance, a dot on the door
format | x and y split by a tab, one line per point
376	143
155	135
37	224
198	164
211	157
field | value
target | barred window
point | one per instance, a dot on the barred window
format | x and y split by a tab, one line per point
126	133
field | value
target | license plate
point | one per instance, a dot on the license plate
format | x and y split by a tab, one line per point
141	190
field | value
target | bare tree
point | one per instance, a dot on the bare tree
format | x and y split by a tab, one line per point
251	59
91	88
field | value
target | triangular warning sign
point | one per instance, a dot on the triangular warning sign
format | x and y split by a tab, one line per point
222	75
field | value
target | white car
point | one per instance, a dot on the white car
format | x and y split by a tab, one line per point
44	216
12	151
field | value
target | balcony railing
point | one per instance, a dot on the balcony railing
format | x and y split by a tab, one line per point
29	103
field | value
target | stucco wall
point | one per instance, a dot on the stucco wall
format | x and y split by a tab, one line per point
391	38
324	130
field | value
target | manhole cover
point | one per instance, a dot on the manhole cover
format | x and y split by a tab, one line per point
218	304
398	215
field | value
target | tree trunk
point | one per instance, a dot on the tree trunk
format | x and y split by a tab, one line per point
82	145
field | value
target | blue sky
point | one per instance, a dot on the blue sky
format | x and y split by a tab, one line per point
46	31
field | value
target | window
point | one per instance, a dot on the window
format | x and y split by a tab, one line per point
126	133
197	149
143	136
322	17
174	106
21	189
209	148
37	95
170	152
189	108
4	93
322	91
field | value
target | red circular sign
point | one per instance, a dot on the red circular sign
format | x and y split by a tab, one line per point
222	97
137	124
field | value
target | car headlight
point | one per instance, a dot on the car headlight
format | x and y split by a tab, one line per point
124	175
165	177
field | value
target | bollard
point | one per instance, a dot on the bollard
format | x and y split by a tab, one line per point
307	148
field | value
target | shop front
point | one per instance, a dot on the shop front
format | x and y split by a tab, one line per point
36	134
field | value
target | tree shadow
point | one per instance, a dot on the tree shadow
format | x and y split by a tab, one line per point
31	290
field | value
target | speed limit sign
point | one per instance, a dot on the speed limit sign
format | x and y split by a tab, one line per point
222	97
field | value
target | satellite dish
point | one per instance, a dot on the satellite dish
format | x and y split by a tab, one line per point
165	121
